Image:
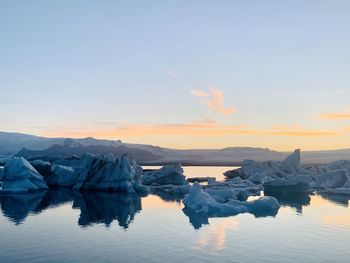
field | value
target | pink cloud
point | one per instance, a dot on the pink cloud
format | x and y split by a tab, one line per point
214	100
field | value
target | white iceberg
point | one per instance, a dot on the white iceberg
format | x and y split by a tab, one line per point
262	177
337	165
19	176
333	179
95	173
291	164
248	168
225	194
167	175
200	201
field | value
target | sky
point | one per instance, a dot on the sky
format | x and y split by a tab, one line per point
180	74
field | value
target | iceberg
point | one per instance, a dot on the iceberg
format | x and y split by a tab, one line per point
258	170
262	177
249	167
333	179
61	175
291	164
290	185
167	175
121	175
343	190
19	176
43	167
337	191
200	201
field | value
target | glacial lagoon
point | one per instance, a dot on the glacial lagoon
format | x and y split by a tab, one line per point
61	225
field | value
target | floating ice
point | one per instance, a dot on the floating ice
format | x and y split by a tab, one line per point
19	176
290	185
291	164
96	173
62	176
333	179
167	175
200	201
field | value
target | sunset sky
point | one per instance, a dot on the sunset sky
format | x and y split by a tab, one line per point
181	74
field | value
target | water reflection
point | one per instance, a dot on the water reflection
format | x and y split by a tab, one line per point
105	208
18	207
167	197
296	201
95	208
213	239
197	220
342	200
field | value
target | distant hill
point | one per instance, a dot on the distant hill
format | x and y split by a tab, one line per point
32	147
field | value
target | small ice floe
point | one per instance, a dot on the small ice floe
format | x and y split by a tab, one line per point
167	175
259	172
235	188
202	202
19	176
168	180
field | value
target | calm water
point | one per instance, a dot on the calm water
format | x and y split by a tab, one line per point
67	226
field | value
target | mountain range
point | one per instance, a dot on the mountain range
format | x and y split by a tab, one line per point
32	147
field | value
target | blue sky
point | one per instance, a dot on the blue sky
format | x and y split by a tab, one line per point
117	69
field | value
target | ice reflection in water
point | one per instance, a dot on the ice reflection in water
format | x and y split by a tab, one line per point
63	225
95	207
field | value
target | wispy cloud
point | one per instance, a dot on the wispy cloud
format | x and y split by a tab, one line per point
214	100
335	116
202	128
199	93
